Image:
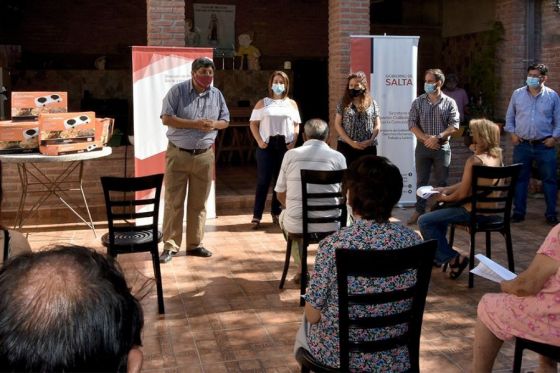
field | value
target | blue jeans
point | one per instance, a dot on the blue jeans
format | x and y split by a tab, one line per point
269	161
425	160
545	159
433	225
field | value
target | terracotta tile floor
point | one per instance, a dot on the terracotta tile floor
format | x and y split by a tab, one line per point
226	313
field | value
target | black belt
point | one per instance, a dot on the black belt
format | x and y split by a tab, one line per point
190	151
535	142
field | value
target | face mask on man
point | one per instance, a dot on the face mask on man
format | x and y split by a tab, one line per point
203	80
356	92
429	88
533	82
278	88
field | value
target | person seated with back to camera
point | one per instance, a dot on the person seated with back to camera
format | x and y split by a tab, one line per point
433	225
529	307
68	309
314	154
17	243
374	185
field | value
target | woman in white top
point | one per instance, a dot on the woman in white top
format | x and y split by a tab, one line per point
275	125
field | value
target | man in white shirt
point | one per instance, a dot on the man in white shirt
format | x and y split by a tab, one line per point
314	154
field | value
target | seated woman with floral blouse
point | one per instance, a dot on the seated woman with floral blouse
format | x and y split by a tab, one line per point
374	186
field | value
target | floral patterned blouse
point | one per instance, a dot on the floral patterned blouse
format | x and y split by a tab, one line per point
322	294
359	125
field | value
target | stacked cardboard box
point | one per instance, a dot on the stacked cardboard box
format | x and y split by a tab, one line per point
40	122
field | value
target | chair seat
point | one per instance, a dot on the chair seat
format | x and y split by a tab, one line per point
314	237
486	223
132	238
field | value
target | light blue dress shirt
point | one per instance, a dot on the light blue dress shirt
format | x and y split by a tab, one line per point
183	101
534	117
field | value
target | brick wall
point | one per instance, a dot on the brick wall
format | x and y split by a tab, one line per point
77	27
166	23
346	17
550	43
512	52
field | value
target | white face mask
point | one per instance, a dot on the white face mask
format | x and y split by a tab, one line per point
278	88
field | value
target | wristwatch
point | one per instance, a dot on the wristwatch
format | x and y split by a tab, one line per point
439	136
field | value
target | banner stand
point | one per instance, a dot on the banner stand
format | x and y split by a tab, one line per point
390	62
154	71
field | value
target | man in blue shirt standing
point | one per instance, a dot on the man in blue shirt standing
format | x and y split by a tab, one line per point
193	112
533	120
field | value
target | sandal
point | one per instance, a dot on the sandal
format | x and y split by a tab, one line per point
458	266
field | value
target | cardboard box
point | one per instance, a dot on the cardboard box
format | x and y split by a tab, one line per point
64	128
19	137
104	129
28	105
70	148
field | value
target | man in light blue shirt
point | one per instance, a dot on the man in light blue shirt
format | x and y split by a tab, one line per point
533	120
193	112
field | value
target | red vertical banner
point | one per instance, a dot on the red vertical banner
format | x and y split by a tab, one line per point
361	49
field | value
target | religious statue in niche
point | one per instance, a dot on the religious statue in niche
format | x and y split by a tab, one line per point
192	34
249	53
213	29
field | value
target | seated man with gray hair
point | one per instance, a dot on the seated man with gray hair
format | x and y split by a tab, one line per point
68	310
314	154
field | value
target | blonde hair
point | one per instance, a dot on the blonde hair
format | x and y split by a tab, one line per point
487	135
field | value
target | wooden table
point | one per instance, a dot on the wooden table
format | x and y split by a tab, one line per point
237	137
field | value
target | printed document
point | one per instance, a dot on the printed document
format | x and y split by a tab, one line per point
491	270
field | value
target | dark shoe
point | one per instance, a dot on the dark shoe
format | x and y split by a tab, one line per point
517	218
275	219
458	266
256	223
552	220
200	251
166	256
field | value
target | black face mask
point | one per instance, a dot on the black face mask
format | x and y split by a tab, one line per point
356	92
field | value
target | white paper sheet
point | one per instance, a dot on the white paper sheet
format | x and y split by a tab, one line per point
426	191
491	270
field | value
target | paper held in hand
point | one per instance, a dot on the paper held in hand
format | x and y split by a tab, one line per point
426	191
491	270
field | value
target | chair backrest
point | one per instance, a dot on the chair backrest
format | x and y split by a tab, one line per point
322	199
377	264
125	212
493	189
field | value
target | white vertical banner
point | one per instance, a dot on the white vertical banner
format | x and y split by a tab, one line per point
155	71
393	86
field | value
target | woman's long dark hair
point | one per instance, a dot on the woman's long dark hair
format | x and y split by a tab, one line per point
365	99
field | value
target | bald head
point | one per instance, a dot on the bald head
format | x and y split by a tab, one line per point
66	309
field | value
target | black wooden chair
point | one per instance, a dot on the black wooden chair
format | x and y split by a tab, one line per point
133	221
314	203
376	264
486	218
552	352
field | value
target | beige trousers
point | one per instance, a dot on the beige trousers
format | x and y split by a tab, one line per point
183	169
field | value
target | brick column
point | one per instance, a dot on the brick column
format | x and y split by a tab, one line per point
346	17
166	22
512	51
550	39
